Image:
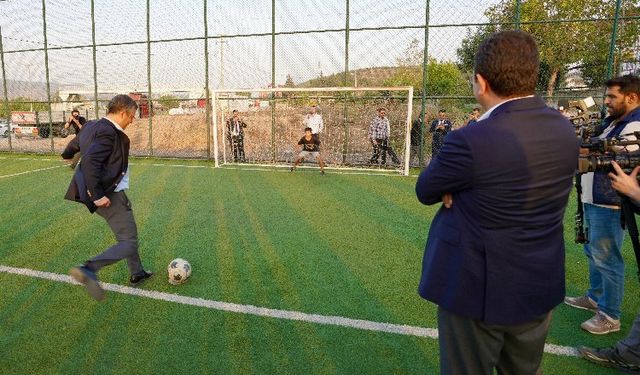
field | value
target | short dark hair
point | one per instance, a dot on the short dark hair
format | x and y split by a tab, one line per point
75	110
382	109
476	109
628	84
122	103
234	111
442	111
308	129
509	61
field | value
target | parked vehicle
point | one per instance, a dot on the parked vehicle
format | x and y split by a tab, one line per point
6	128
34	123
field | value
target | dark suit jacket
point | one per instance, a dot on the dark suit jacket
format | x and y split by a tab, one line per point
438	135
231	125
497	255
105	158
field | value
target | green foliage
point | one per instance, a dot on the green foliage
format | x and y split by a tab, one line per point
443	78
562	44
169	101
21	104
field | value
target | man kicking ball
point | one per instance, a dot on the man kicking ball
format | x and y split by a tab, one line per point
310	147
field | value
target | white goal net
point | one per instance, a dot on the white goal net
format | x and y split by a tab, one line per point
268	124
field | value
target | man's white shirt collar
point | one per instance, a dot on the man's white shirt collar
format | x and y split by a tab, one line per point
115	124
488	113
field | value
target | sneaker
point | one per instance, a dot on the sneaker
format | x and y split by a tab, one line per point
322	173
582	302
607	357
139	278
291	169
87	277
601	324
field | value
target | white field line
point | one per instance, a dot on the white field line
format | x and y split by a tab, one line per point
264	311
34	159
330	171
30	171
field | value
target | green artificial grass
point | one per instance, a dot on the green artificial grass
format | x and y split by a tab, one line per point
341	244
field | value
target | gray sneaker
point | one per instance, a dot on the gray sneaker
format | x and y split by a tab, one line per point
87	277
582	302
601	324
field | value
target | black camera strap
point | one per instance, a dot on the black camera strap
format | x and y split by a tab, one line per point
580	235
628	219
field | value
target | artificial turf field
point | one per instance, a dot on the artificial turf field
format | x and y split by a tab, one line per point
340	245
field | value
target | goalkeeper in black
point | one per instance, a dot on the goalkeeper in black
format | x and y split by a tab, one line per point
310	147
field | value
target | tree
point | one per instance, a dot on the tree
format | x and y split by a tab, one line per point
169	101
289	81
443	78
584	44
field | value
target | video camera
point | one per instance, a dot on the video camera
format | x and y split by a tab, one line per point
583	115
603	151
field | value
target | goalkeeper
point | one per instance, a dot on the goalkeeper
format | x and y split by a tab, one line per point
310	147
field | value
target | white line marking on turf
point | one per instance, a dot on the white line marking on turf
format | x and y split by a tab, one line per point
30	171
329	171
368	325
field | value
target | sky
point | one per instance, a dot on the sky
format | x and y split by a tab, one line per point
234	62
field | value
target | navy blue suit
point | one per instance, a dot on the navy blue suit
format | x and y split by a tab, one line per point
105	157
497	255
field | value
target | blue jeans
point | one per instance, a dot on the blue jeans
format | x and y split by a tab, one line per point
604	253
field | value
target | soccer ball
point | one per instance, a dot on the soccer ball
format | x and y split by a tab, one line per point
179	271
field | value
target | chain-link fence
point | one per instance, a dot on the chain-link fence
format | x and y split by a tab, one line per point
169	54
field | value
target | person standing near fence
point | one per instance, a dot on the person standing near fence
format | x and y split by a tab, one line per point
494	258
314	121
76	122
379	132
439	129
602	213
100	183
235	136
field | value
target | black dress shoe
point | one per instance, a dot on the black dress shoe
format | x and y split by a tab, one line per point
139	278
84	275
608	357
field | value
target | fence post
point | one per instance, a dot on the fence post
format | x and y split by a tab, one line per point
614	37
423	104
149	107
345	116
4	86
95	63
516	19
206	82
46	71
273	80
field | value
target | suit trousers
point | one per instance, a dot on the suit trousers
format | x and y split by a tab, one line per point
237	147
469	346
629	347
119	216
382	147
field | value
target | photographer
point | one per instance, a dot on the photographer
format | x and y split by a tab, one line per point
77	122
625	354
602	215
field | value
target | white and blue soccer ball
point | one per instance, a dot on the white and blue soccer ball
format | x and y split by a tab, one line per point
179	271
